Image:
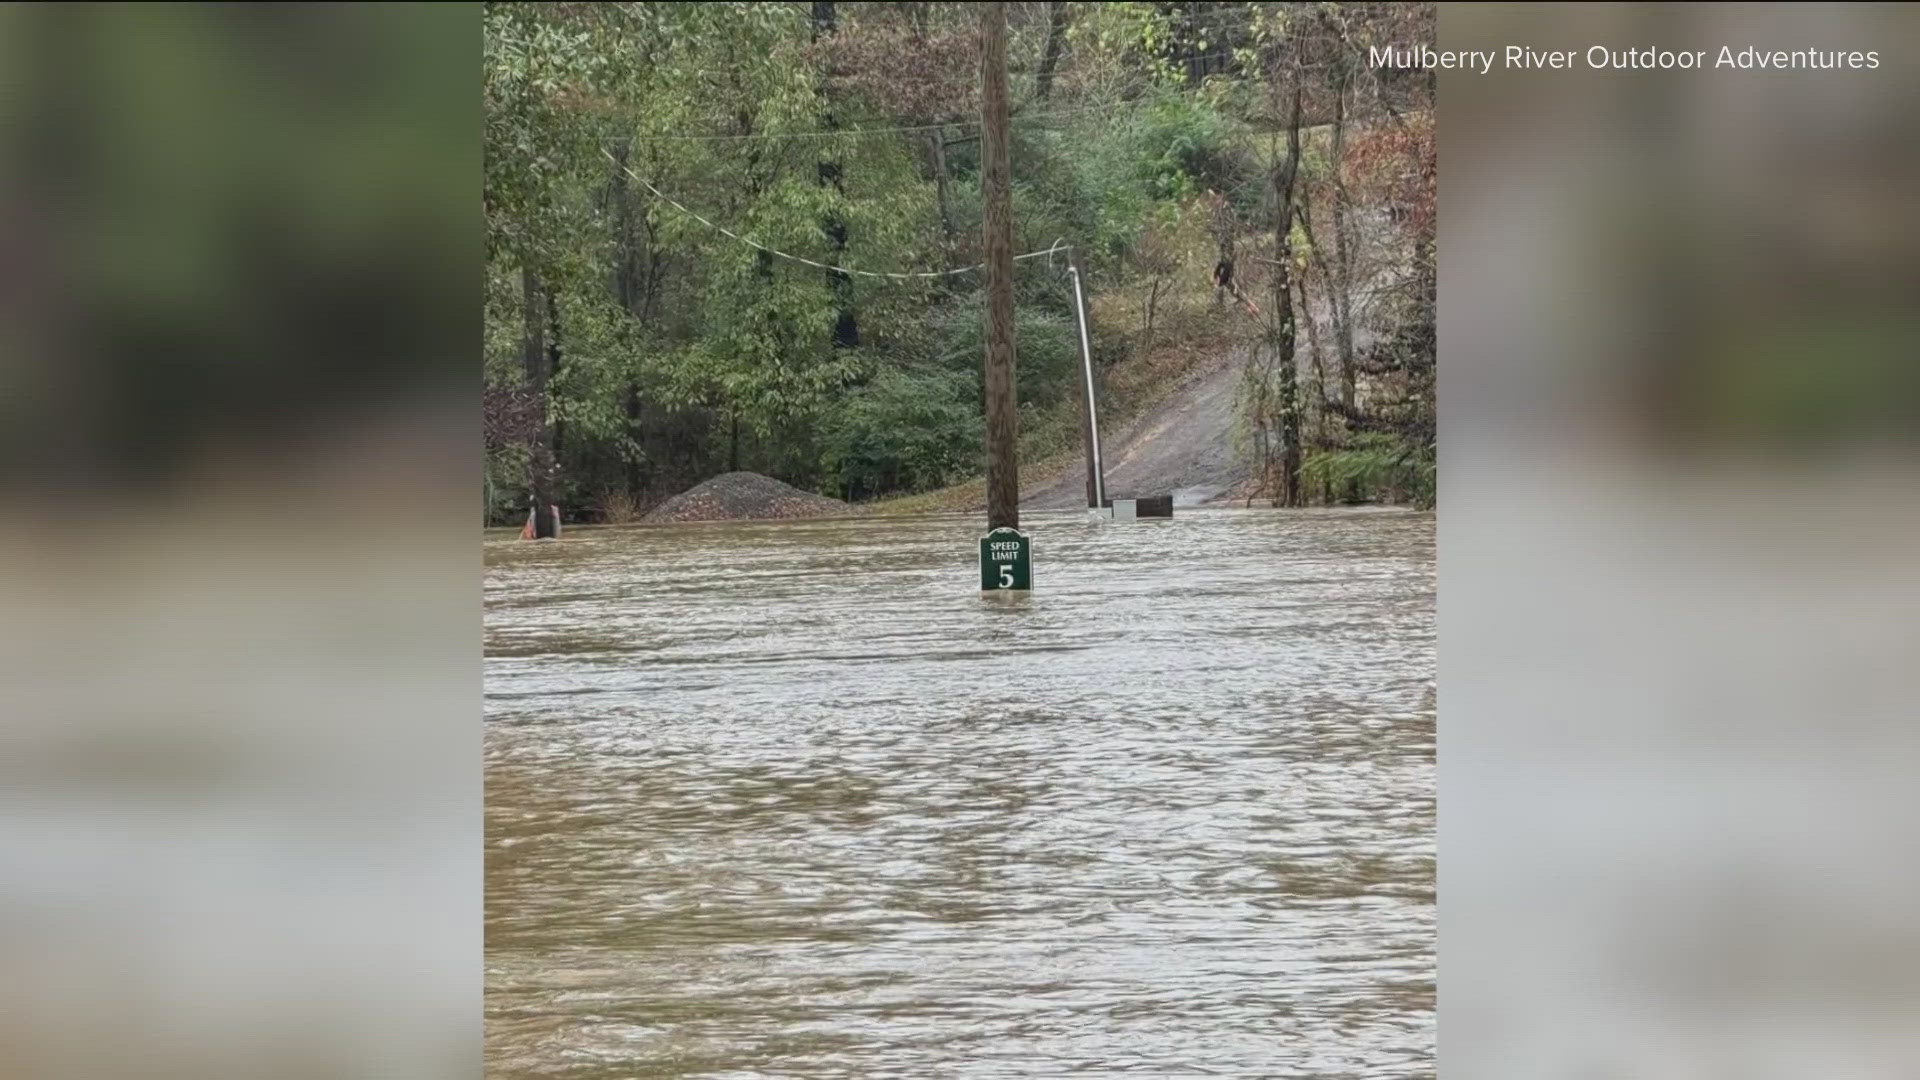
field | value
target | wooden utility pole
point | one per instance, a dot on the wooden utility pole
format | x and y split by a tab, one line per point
996	193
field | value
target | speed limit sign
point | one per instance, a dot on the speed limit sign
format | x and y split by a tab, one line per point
1006	560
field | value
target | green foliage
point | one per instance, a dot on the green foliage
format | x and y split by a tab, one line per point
904	431
1183	146
1047	350
1377	467
680	351
505	469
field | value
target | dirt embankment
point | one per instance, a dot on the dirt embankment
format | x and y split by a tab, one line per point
1183	446
743	496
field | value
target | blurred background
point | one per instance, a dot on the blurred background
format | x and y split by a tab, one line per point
239	770
239	767
1680	552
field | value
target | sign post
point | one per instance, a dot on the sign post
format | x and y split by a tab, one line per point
1006	561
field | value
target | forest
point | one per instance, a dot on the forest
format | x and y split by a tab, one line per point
738	236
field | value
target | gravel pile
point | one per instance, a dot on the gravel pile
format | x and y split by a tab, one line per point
740	496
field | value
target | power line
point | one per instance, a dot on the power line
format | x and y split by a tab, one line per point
1018	118
843	133
758	246
838	133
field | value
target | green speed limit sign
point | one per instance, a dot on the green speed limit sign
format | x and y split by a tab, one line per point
1006	560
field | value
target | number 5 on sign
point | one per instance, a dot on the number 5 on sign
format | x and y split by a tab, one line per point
1006	561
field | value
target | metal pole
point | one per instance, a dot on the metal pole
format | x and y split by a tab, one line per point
1096	468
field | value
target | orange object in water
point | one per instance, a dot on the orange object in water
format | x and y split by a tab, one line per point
526	531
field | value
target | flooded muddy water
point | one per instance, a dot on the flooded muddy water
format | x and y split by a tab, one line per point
793	799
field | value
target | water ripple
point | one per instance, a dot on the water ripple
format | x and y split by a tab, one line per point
790	799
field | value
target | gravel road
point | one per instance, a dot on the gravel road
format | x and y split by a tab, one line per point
1183	446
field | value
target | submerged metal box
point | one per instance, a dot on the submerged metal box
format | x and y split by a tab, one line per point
1156	506
1149	506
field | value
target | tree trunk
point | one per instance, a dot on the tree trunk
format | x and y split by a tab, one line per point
1318	397
846	327
621	204
535	360
942	194
635	284
1281	332
1341	298
1318	270
636	477
996	196
1056	39
554	357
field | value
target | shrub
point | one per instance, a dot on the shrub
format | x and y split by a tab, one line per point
1046	349
903	431
1377	466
